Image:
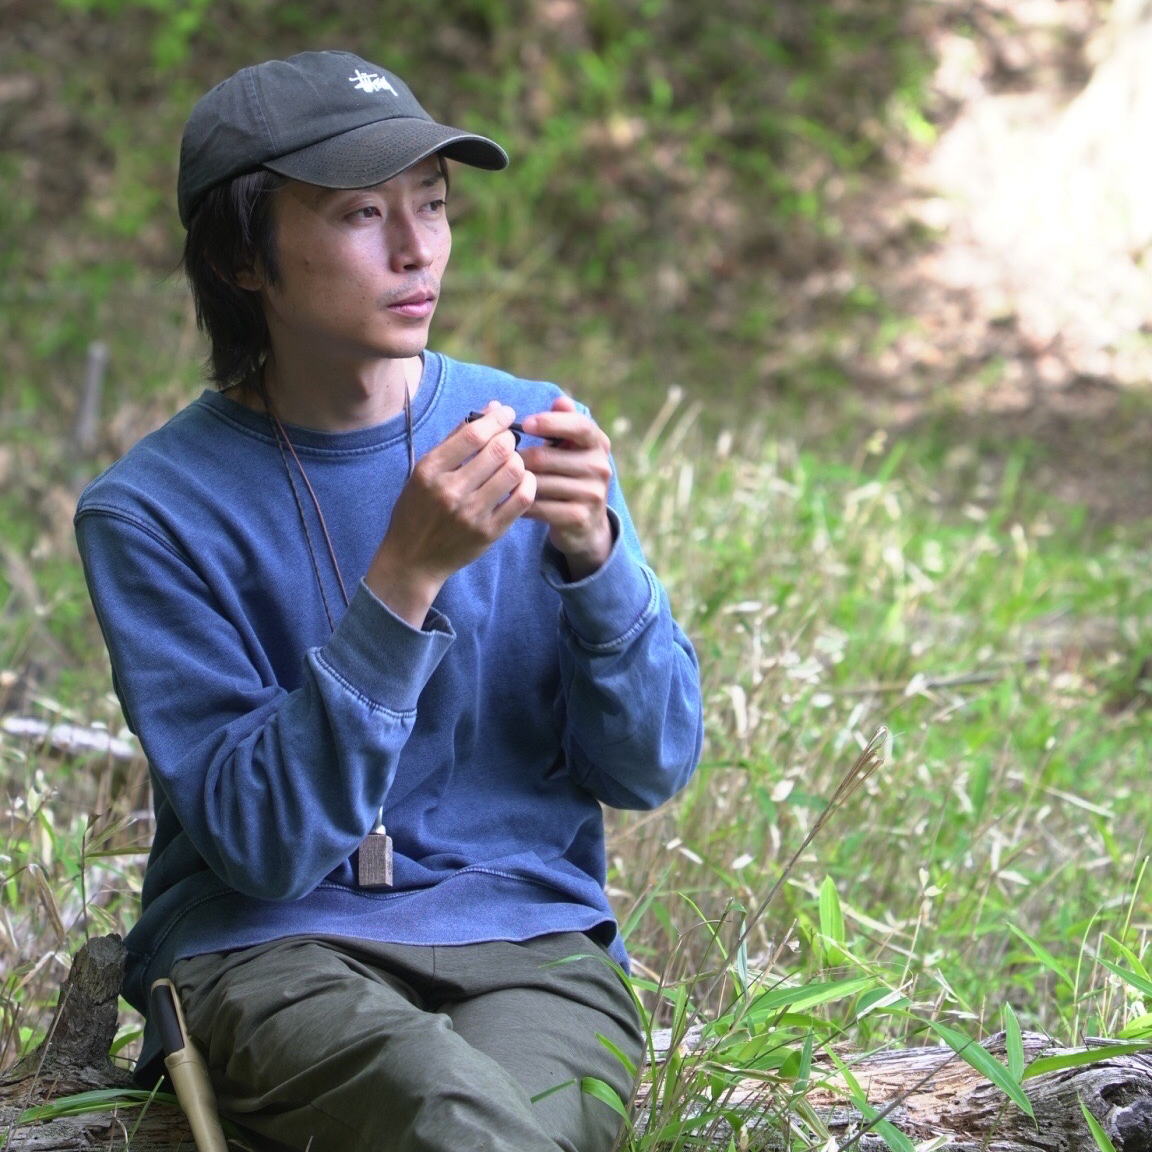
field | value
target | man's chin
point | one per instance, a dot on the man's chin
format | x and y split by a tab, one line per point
402	349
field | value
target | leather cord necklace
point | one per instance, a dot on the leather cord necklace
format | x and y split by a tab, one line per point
374	856
284	443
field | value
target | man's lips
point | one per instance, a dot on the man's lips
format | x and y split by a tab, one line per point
415	305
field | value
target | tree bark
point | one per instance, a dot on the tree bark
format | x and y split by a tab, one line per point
74	1058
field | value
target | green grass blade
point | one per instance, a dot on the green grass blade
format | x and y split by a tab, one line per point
1014	1041
892	1136
831	917
986	1064
1138	1029
811	995
1045	957
1098	1133
552	1091
616	1051
98	1100
1083	1056
1140	983
1126	953
884	1128
604	1092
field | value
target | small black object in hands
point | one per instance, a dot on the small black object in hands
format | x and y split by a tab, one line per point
516	428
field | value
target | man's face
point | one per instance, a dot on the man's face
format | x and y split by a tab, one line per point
359	270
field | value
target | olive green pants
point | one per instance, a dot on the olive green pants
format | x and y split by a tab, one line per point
342	1046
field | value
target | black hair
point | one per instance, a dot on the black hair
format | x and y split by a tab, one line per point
232	230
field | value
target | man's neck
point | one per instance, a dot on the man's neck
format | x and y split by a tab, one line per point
338	403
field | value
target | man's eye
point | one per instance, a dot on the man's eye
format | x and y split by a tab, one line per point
366	213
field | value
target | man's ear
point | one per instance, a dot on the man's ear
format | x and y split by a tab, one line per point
245	276
248	277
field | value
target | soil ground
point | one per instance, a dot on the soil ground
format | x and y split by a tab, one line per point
1030	310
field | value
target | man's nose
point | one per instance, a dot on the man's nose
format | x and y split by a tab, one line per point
409	244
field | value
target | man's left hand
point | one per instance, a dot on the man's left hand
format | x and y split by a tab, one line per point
572	481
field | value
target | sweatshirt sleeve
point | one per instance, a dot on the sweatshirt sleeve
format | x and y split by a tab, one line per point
274	788
630	699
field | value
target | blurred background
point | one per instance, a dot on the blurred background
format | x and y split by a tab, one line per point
863	213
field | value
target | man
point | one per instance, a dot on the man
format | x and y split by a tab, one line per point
386	656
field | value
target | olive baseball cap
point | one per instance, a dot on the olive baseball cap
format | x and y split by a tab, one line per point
327	118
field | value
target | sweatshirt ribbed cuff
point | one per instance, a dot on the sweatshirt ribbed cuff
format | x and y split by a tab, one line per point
383	657
606	608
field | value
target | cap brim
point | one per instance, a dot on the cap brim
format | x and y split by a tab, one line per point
377	152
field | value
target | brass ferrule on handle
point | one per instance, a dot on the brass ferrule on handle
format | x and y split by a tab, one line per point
187	1071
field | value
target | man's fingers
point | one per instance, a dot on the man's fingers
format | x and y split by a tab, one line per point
564	423
476	434
546	461
515	504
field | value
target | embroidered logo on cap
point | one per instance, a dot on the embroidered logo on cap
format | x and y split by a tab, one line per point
371	82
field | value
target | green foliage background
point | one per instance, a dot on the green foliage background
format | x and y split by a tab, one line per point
675	165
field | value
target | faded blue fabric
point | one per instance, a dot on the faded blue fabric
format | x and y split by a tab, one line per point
491	736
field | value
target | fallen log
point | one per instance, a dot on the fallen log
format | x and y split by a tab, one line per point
936	1098
929	1094
940	1094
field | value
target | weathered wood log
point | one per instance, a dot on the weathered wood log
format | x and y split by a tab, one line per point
930	1093
927	1093
159	1128
943	1095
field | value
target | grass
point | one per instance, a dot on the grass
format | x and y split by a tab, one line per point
791	901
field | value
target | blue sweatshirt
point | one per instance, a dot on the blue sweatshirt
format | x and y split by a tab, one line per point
490	737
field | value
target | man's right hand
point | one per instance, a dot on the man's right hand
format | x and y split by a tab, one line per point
461	498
